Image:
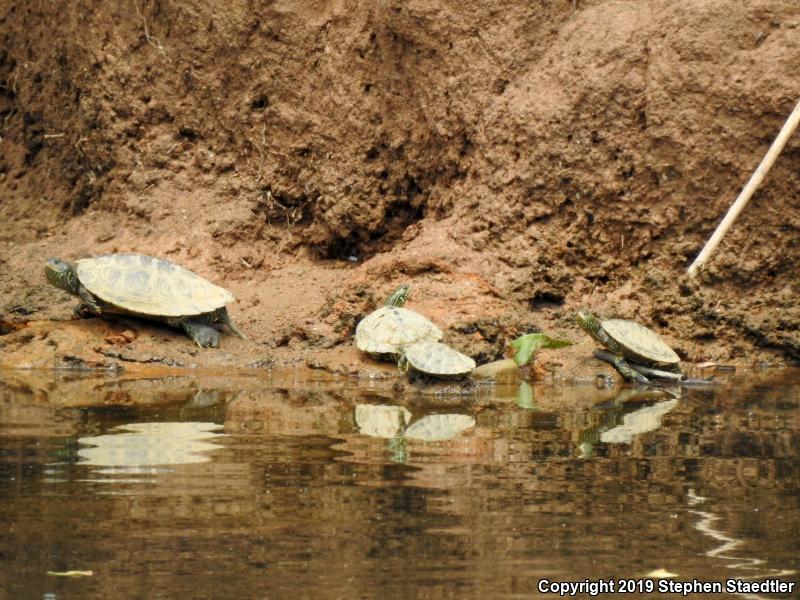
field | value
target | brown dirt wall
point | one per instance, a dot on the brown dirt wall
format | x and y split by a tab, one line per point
513	161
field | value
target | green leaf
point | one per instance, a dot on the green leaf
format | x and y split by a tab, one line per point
526	345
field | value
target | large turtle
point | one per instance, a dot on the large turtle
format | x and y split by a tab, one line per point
385	332
146	287
635	350
435	359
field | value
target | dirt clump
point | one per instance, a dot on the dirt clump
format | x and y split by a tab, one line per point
514	162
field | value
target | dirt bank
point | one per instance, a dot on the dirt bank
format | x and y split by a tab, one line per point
513	161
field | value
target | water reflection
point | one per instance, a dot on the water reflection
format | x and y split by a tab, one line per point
292	487
392	421
631	413
149	447
525	398
392	424
754	567
638	422
438	428
381	421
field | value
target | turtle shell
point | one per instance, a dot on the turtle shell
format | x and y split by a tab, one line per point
438	359
639	343
389	329
149	286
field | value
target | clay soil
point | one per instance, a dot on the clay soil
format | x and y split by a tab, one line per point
513	161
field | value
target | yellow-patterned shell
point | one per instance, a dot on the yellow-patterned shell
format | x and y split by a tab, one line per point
150	286
386	331
639	343
438	359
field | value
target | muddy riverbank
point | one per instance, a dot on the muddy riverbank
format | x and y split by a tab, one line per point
513	162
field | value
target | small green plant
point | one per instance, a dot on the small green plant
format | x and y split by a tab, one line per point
525	346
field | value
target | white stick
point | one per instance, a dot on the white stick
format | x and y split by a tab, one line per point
748	191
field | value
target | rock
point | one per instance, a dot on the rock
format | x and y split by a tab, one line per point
499	371
120	339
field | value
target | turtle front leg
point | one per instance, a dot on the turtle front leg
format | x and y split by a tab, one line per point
89	306
84	311
90	301
203	335
621	365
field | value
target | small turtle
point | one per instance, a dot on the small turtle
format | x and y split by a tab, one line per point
145	287
436	359
645	351
385	332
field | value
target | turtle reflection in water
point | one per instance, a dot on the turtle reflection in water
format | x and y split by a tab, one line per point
633	412
634	350
392	424
145	287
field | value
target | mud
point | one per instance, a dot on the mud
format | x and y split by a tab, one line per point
514	162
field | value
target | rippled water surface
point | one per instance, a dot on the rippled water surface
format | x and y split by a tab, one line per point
290	486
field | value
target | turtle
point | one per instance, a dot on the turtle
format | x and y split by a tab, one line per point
146	287
435	359
386	331
635	350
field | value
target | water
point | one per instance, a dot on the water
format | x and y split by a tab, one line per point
294	487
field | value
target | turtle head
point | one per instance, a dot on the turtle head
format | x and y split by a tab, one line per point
61	274
399	296
588	322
